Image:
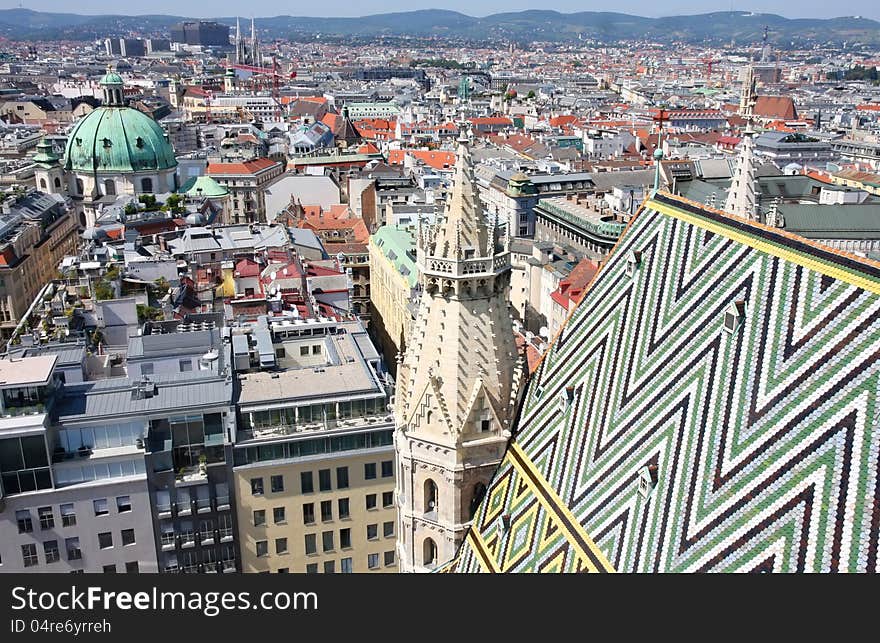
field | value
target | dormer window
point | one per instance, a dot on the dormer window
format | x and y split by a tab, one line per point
139	142
566	397
647	480
79	141
734	316
107	142
633	261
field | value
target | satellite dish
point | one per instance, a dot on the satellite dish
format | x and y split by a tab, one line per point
544	332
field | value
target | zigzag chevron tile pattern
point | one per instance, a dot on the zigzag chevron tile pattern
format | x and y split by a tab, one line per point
671	429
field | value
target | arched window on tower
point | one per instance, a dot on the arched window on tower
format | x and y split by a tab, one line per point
42	184
430	496
57	183
479	492
429	552
147	185
80	187
109	187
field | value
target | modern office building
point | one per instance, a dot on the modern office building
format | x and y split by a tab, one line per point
201	32
313	472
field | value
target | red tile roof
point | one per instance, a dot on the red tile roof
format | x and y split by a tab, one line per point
247	167
436	159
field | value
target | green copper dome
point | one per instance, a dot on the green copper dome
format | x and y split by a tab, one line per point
203	186
118	139
111	78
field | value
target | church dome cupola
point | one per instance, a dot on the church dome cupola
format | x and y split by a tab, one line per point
112	86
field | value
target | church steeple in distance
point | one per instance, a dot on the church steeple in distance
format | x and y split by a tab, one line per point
458	379
743	198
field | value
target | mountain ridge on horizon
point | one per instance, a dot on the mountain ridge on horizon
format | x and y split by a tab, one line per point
521	26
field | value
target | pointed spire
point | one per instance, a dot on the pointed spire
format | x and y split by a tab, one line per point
744	196
464	228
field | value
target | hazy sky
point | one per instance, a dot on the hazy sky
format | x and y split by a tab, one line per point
213	8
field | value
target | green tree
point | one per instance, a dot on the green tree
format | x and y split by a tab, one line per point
103	290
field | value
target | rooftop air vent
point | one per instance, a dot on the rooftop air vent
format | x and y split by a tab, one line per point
734	316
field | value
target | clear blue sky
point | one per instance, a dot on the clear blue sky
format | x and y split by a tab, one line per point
214	8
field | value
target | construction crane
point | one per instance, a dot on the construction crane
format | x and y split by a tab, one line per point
708	62
272	72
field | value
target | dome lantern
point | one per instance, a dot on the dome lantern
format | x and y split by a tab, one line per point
113	86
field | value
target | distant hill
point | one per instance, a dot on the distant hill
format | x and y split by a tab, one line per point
523	26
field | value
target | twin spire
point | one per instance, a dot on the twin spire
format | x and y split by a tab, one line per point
744	196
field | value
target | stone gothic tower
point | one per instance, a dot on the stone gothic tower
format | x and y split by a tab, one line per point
743	198
458	379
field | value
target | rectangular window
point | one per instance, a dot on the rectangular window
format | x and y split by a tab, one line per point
303	351
309	513
47	518
101	507
311	544
23	518
185	365
343	509
312	568
388	529
370	471
262	548
316	349
327	540
256	486
306	482
387	468
109	569
283	570
342	477
277	483
279	515
371	501
346	565
329	566
259	517
324	480
50	548
326	510
389	557
372	532
123	504
345	538
281	545
71	546
146	369
132	567
127	536
105	540
68	515
372	561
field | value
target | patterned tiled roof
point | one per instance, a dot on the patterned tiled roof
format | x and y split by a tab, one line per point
710	405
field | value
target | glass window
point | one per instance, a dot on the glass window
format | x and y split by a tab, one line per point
259	517
327	540
326	510
68	515
324	482
370	471
262	548
372	561
312	568
257	486
277	483
371	501
101	507
329	566
132	567
25	524
311	544
388	529
29	555
105	540
278	515
123	504
71	546
309	513
389	557
305	479
346	565
372	532
343	508
387	499
342	477
281	545
47	518
387	468
50	549
345	538
127	536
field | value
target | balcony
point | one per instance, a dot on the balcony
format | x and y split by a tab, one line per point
187	539
203	505
228	566
226	534
164	510
222	503
183	508
208	538
190	569
168	540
